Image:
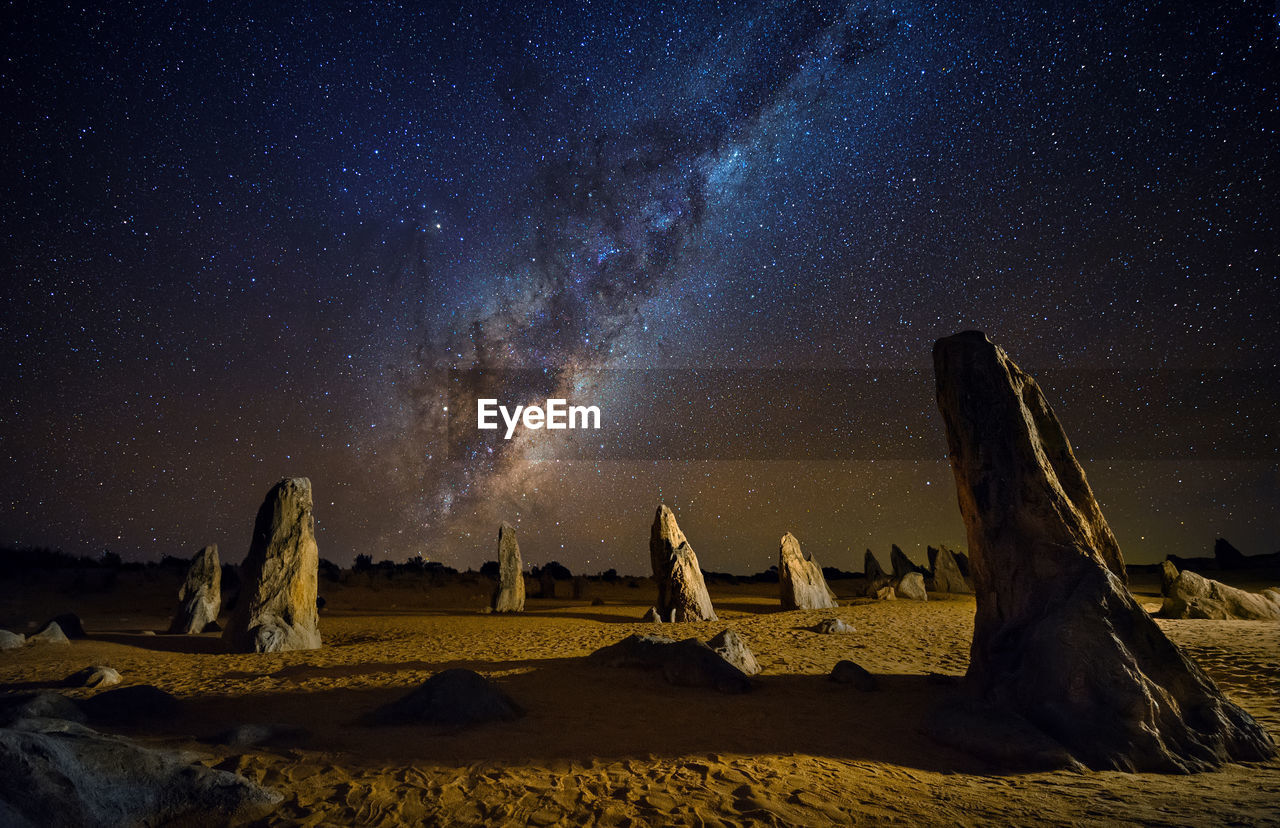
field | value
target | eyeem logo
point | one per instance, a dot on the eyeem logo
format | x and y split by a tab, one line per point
558	414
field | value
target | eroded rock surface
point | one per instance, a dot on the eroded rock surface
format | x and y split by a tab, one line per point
682	593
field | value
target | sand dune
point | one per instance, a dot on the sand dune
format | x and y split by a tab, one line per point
603	746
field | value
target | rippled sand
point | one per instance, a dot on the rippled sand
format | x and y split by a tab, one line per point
602	746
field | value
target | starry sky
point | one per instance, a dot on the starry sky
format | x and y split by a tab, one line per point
245	241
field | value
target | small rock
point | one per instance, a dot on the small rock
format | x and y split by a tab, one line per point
97	676
912	588
653	616
70	624
833	626
253	735
732	649
11	640
886	594
51	634
846	672
452	698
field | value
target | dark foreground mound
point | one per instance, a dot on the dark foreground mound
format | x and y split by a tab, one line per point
451	698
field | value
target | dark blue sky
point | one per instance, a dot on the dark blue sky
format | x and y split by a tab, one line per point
245	241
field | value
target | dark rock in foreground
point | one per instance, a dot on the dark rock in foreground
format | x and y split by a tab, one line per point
1059	644
688	663
451	698
58	772
1188	595
137	704
846	672
200	596
43	705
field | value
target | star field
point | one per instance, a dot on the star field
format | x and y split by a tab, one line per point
244	242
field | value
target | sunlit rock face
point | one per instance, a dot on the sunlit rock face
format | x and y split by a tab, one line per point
682	593
800	581
200	596
1188	595
510	594
277	609
1058	641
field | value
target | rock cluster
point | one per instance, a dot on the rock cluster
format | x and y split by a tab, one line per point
687	663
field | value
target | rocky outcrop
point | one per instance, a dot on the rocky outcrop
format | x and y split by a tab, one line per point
58	772
886	594
200	596
276	610
947	576
911	587
877	578
1058	641
509	596
682	594
1189	595
451	698
800	582
688	663
11	640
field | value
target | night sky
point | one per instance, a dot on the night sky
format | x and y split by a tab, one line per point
247	240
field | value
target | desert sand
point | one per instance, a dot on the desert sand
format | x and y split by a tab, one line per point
602	746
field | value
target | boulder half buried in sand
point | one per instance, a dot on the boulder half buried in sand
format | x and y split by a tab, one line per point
847	672
800	582
277	606
200	596
682	594
734	650
509	596
1189	595
58	772
688	663
451	698
1059	645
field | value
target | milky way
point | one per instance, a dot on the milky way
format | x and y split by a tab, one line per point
243	243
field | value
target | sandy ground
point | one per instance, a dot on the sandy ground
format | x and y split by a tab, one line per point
603	746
